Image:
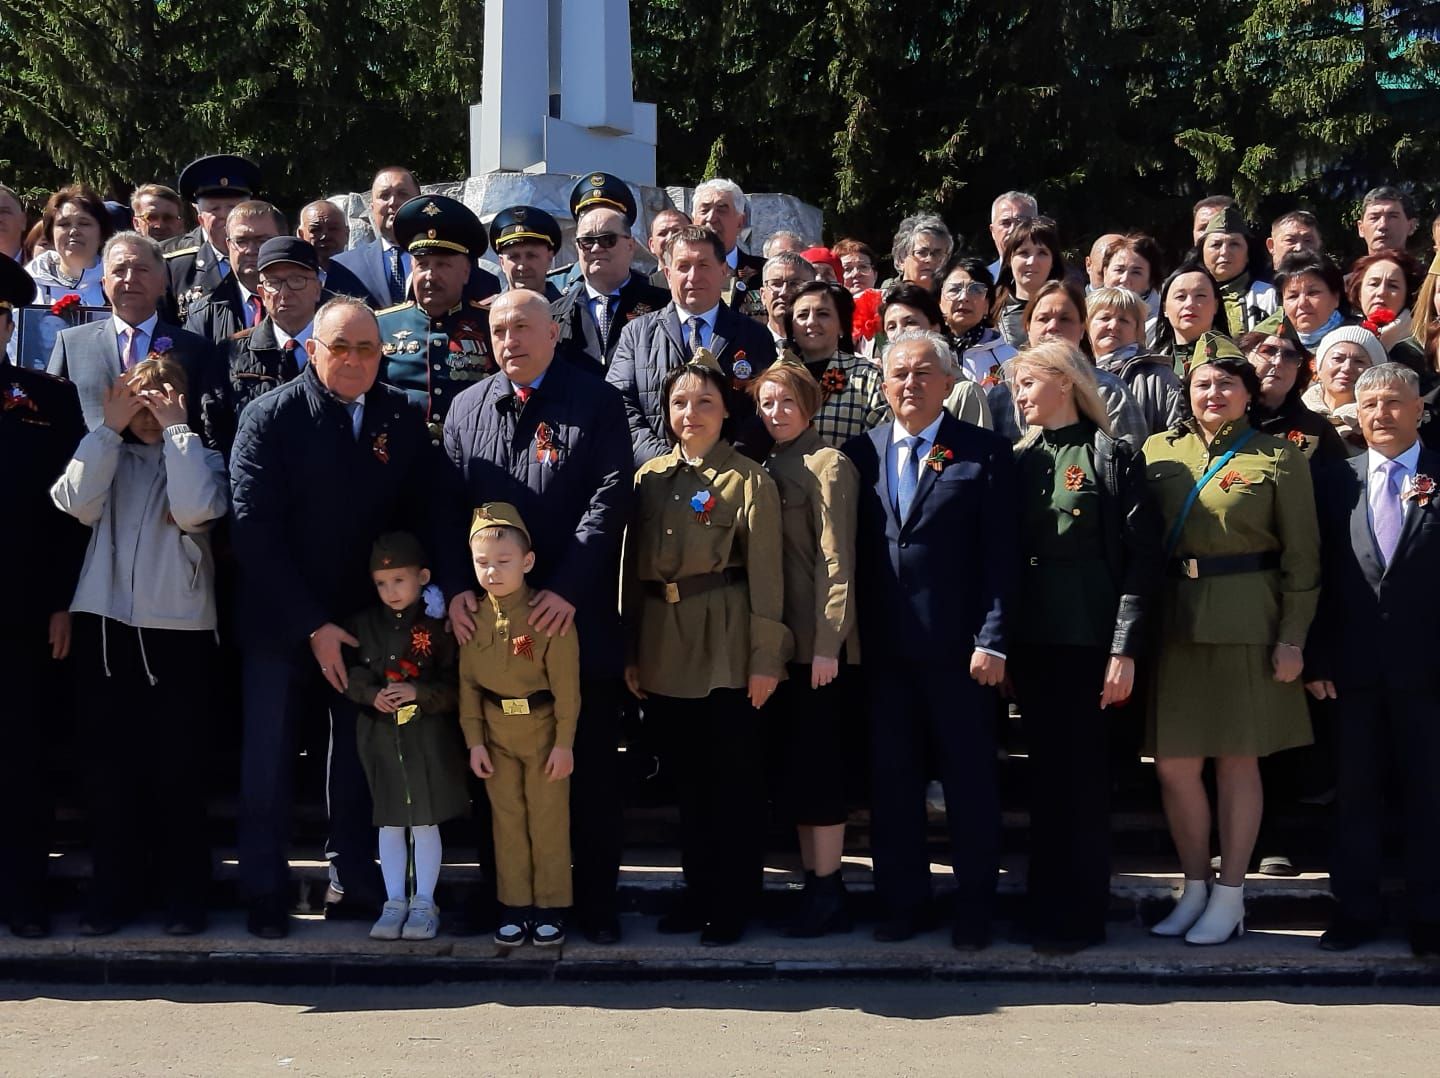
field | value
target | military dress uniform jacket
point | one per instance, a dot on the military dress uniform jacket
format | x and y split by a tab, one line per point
715	639
742	291
220	314
819	491
310	499
194	273
1261	502
579	340
572	483
654	344
508	658
434	359
247	365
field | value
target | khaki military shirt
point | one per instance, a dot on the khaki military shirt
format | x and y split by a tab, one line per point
509	658
1261	501
819	488
716	639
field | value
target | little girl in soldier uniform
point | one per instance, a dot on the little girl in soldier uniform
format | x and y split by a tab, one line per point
403	674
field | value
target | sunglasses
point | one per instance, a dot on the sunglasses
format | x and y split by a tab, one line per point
604	241
1275	351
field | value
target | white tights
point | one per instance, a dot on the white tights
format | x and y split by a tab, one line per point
395	856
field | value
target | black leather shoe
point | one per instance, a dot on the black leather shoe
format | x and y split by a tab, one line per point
722	933
968	937
1425	939
604	929
1347	933
268	921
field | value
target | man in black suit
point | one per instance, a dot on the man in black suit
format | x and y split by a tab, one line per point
936	564
1373	650
326	228
93	355
721	207
382	266
654	344
595	308
236	303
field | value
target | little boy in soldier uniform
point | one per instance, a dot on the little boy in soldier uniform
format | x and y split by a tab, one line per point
519	703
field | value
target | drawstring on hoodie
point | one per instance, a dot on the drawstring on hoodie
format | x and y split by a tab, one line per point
105	651
104	647
144	660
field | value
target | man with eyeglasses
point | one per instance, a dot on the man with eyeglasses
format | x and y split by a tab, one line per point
236	302
439	343
1006	212
157	212
272	352
781	278
321	467
609	293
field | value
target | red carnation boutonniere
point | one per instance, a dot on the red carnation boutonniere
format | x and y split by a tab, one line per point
1232	478
63	305
1420	488
420	640
833	381
1377	320
393	675
938	458
524	647
546	452
381	448
1297	438
1074	477
409	669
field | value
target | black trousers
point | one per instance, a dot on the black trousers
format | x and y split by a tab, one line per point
597	828
1068	887
1387	739
924	718
144	727
36	723
712	748
284	691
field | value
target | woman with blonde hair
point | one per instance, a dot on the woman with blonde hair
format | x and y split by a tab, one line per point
1426	316
1115	327
1091	560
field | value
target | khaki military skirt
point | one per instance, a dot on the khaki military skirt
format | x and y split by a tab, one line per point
1222	700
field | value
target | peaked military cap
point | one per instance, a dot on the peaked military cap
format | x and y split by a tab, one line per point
1230	219
437	223
520	223
17	288
397	550
603	189
292	249
219	174
498	515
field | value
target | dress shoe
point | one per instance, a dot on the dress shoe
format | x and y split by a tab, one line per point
1347	933
269	920
1188	909
1223	919
722	932
1425	939
969	937
603	928
1278	865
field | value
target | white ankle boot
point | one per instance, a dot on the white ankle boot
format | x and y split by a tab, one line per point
1224	916
1188	909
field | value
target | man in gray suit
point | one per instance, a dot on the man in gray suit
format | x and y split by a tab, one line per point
94	355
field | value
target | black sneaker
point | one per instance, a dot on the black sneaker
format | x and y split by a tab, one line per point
514	927
548	929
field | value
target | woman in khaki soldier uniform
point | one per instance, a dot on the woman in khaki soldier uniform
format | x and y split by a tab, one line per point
1244	563
702	602
818	492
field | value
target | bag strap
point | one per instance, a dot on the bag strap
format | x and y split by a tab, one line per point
1173	539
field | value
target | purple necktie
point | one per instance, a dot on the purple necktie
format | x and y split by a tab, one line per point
1386	512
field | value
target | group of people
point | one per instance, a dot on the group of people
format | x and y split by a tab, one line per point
464	523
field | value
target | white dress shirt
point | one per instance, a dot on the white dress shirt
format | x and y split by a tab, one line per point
281	338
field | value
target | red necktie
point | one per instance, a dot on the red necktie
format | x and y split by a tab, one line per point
523	392
256	311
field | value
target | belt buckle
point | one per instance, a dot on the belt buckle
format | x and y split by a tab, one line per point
1034	562
672	592
515	707
1190	567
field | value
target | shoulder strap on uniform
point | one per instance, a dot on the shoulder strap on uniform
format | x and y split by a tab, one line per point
182	251
397	307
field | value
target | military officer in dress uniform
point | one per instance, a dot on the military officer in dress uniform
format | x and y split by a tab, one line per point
525	239
608	292
198	261
40	426
439	343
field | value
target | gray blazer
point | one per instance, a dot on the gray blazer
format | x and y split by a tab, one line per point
89	356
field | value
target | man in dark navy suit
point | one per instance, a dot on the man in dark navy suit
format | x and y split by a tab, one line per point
380	264
936	564
1373	650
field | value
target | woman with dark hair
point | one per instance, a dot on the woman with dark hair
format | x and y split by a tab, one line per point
703	605
966	293
819	491
1031	257
817	329
1381	289
1312	292
908	306
1190	309
1225	248
1136	262
1283	366
1244	570
78	224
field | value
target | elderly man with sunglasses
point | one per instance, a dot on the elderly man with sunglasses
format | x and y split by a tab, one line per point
322	466
608	293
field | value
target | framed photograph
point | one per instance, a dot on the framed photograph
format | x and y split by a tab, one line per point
36	329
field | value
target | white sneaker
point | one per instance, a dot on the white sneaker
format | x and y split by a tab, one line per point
424	920
392	917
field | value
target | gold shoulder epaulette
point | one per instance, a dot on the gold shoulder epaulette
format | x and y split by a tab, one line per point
181	251
397	307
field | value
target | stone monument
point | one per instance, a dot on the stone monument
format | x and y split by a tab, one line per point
546	119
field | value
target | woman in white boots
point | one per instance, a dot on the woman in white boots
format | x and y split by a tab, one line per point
1244	573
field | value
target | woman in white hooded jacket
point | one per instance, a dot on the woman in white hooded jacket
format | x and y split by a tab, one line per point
143	645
